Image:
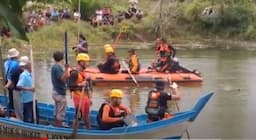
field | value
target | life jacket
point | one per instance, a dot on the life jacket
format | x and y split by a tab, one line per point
153	108
153	103
75	85
112	113
131	65
114	66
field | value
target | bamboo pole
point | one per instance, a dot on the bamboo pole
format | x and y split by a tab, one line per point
2	69
33	83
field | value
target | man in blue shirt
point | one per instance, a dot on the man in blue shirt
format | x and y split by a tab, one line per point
59	76
11	65
26	88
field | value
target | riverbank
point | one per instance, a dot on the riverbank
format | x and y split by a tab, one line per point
52	37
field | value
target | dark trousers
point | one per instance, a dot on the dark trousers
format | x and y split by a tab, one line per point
28	112
10	100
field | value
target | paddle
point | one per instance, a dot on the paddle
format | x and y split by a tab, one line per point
33	83
76	122
87	87
133	78
176	104
122	29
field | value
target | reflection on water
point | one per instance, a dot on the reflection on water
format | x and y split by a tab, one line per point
229	73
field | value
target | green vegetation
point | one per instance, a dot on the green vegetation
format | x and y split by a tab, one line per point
177	21
230	20
10	16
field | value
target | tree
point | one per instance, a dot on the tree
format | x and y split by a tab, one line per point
11	16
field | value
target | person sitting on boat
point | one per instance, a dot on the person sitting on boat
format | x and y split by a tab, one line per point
112	64
164	48
133	62
26	89
156	107
78	86
112	114
82	46
163	63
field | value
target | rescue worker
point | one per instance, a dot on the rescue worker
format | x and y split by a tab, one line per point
112	114
133	62
163	63
167	64
112	64
78	84
165	48
156	107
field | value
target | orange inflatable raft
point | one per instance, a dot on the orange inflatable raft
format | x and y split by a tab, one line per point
144	77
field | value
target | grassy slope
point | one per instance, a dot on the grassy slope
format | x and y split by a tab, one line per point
52	36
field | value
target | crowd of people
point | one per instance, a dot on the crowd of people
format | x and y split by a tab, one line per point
36	19
104	16
111	114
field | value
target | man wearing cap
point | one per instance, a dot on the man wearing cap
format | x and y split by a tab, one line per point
112	114
11	65
25	86
156	107
112	64
133	62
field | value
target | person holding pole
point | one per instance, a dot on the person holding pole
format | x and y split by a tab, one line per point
78	86
58	77
156	107
133	62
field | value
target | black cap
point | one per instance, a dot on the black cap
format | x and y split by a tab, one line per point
160	84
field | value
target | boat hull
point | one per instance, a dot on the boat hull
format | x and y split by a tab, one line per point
145	77
169	128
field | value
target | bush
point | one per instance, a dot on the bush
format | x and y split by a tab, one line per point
236	20
250	33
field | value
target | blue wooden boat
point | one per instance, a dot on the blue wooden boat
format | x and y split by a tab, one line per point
169	128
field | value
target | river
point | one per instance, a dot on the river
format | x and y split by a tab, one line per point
229	73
